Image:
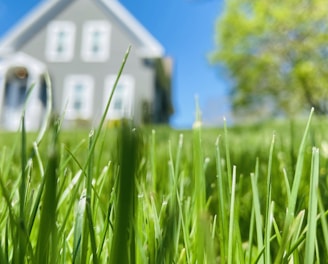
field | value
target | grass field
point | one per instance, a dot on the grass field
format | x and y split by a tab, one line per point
255	194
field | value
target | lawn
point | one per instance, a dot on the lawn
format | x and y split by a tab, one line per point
243	194
254	194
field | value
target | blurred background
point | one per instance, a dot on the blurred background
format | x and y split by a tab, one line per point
186	29
245	60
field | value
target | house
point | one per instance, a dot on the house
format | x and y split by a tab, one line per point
81	44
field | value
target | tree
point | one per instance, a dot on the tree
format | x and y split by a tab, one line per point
276	53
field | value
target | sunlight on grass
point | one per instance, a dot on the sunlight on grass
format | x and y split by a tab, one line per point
140	195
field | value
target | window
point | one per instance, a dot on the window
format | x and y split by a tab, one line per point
95	41
122	102
60	41
78	96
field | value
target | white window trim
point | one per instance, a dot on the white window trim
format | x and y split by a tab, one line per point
68	97
128	83
86	53
51	42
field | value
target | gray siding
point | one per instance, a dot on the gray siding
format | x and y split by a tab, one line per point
78	12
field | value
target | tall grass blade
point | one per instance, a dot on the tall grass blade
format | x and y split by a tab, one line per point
232	219
104	232
22	196
312	208
63	252
239	251
169	229
249	252
268	229
104	116
294	236
257	209
198	163
323	220
47	236
123	247
78	229
168	247
153	159
22	232
222	194
227	149
36	205
88	228
293	196
48	111
298	171
287	186
199	186
186	241
268	206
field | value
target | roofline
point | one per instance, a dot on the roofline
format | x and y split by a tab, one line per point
150	46
46	10
30	24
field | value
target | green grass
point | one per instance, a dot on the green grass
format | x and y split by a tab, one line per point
159	195
254	194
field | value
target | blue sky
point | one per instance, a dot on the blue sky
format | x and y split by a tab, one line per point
186	30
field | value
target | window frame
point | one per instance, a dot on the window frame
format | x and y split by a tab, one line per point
126	96
69	96
89	28
52	42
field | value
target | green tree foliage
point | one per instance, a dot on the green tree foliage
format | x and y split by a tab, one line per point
277	54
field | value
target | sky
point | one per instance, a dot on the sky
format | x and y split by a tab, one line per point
186	30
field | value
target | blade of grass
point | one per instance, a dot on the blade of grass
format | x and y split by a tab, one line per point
78	229
277	231
123	248
104	116
22	195
267	233
167	243
312	208
107	222
295	237
227	149
167	248
88	204
47	237
48	111
178	192
221	190
257	209
198	162
153	159
293	196
268	229
323	220
239	251
63	252
36	204
249	252
232	218
186	241
287	186
199	194
104	231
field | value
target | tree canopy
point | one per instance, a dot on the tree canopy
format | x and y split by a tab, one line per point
276	53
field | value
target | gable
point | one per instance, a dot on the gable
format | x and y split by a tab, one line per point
36	21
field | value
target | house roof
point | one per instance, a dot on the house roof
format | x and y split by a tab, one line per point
148	46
